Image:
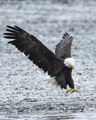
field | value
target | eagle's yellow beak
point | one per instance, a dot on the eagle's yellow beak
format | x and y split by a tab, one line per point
73	67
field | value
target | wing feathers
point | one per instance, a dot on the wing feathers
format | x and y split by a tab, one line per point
34	49
63	48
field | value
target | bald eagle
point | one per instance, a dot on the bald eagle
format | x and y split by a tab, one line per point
59	65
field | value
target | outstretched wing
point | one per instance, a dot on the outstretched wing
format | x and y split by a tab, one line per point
63	48
34	49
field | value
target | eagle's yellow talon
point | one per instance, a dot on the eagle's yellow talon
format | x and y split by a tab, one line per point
68	90
74	90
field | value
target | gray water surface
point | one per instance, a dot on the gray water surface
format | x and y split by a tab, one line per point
77	116
23	94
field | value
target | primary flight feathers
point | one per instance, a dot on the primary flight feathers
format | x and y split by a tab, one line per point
42	56
63	48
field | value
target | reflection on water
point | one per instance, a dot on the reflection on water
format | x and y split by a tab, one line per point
65	116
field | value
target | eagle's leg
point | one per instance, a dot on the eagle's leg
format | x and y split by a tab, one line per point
68	90
74	90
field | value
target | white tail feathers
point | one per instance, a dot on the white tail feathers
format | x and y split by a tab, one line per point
50	82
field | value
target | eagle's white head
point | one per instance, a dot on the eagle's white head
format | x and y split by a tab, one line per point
70	63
